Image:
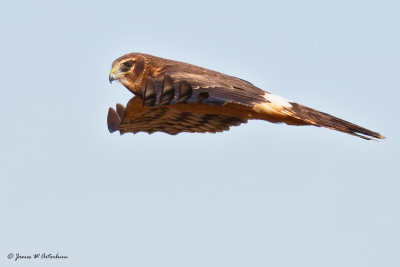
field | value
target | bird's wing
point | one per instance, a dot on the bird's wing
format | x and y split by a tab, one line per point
215	88
172	119
175	90
178	83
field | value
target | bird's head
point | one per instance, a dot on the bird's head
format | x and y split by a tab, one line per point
131	70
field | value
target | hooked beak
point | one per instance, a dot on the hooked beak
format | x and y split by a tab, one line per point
111	77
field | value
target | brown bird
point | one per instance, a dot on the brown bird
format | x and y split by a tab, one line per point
174	97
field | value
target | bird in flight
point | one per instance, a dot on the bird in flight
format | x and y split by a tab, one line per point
174	97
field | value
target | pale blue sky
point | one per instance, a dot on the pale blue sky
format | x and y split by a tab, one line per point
259	195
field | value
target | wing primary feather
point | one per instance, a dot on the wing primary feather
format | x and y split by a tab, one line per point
185	91
202	96
149	94
167	91
113	120
120	110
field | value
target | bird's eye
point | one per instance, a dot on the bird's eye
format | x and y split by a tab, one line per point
128	64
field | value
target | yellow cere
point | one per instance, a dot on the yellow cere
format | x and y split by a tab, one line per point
113	70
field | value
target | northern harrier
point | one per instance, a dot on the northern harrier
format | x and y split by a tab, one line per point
174	97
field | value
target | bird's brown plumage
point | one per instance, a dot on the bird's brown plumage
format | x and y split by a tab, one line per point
174	97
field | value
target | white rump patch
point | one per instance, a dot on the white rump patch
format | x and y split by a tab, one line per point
277	100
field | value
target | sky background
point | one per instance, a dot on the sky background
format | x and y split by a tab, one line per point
261	194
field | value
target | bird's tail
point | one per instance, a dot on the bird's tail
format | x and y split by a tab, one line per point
278	109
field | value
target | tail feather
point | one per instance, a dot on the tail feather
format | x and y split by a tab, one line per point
279	109
317	118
